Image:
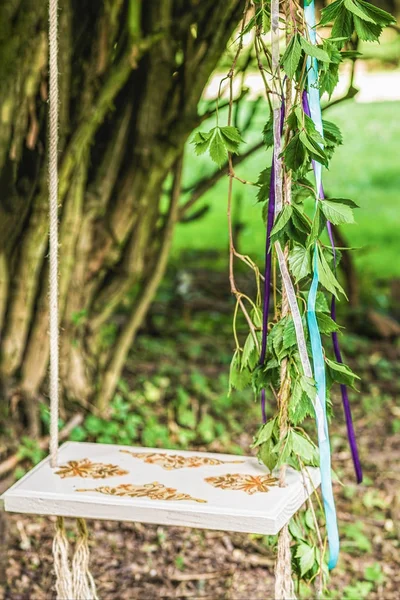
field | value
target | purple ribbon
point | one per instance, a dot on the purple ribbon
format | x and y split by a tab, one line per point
267	271
336	347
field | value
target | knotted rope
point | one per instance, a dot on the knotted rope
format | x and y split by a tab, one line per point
284	589
77	584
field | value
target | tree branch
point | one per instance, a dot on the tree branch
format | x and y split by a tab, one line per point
206	183
351	93
140	308
10	463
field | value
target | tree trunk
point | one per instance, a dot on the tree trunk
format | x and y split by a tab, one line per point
131	76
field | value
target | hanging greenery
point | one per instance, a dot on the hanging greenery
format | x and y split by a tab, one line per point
282	357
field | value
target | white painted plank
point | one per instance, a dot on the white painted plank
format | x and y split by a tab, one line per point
172	488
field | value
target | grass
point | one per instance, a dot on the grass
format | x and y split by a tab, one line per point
365	169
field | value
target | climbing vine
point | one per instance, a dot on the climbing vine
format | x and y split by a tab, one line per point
301	260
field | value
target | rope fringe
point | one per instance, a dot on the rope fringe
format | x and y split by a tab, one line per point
76	583
284	587
61	562
84	587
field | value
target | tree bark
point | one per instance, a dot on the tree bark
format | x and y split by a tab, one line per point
131	77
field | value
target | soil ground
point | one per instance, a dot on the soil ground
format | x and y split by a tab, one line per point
136	561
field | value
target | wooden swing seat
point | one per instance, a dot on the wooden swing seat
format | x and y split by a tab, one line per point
166	487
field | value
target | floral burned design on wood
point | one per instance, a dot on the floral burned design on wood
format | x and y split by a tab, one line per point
251	484
170	462
85	469
154	491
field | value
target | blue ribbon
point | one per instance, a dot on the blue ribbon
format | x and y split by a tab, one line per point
315	337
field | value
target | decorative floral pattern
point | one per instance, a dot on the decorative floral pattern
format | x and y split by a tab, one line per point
170	462
85	468
251	484
154	491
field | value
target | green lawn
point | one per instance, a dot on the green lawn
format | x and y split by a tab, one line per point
366	169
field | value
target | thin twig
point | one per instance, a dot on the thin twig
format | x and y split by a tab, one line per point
12	461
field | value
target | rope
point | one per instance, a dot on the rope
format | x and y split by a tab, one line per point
77	584
83	585
61	562
53	220
284	589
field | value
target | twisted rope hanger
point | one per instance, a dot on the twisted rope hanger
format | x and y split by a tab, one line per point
77	583
53	229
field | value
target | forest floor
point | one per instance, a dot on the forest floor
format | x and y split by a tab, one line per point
178	372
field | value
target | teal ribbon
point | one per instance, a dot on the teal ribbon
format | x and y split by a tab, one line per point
315	337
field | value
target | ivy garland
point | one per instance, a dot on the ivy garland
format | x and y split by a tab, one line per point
270	358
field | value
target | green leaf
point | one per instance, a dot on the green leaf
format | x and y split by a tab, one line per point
313	148
377	14
284	448
289	334
299	220
345	201
374	573
218	150
300	262
267	455
301	189
314	51
321	304
256	315
341	373
326	324
330	12
326	277
343	25
332	133
268	132
317	225
232	134
282	219
309	519
294	154
329	79
265	432
94	425
355	8
218	141
78	434
250	355
266	21
331	49
300	405
306	554
312	131
308	386
264	182
239	378
201	141
275	339
291	57
295	530
336	212
368	32
303	448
